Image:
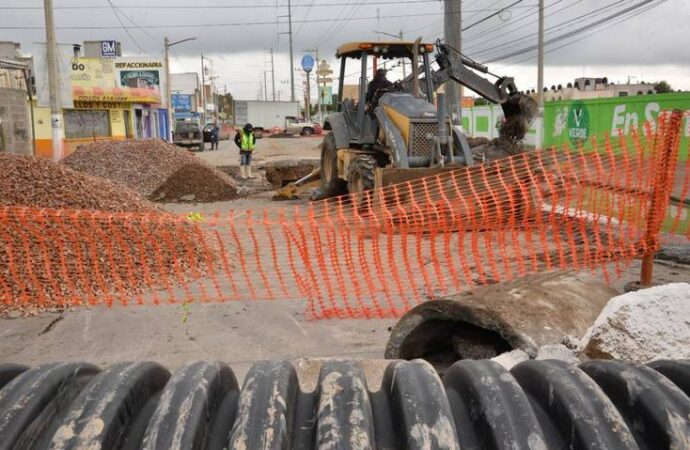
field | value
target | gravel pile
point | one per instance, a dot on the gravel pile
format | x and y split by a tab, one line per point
37	182
50	262
155	169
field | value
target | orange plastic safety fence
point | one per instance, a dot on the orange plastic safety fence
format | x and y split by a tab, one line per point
372	254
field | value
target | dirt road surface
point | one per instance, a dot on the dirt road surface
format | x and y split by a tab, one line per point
267	150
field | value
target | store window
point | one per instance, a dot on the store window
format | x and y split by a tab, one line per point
86	123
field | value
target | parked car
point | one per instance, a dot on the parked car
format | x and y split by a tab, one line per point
296	125
188	135
224	132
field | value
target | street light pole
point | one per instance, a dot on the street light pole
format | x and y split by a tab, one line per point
168	82
203	92
540	61
168	89
273	77
292	66
53	83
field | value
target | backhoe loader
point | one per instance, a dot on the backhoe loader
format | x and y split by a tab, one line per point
404	132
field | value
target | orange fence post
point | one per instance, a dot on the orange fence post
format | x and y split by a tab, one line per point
661	189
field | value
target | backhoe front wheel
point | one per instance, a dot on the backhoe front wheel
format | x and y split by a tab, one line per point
330	183
361	174
361	183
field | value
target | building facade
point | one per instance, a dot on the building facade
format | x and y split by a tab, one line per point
112	98
16	134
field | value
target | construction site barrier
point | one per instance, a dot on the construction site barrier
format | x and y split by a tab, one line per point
477	404
372	254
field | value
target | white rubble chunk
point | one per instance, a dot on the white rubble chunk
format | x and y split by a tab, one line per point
642	326
511	358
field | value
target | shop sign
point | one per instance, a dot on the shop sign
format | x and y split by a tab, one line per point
139	65
181	102
100	104
151	77
92	72
109	49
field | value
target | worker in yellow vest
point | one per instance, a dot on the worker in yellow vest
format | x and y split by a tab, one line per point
245	141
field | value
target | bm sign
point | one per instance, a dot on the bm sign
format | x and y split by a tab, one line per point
109	49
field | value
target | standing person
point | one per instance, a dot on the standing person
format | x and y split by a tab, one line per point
245	141
215	135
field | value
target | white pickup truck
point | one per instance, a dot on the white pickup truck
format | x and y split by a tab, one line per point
295	125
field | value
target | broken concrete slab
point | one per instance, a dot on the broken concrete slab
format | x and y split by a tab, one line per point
642	326
525	314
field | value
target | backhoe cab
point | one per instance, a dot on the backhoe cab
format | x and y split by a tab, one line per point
399	134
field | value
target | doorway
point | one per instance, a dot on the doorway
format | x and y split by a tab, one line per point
128	124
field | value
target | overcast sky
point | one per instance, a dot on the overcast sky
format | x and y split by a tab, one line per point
649	43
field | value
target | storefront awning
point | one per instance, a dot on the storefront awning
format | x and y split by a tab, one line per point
125	94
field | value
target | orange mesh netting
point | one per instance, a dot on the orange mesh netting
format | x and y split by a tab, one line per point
375	254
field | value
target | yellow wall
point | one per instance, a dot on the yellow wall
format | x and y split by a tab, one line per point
44	133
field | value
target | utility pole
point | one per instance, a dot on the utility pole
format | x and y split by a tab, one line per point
265	87
540	63
403	60
53	82
307	109
452	26
203	92
168	89
292	66
273	77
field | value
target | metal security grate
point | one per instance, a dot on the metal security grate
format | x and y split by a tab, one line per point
421	138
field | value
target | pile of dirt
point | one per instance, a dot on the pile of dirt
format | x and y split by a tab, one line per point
36	182
520	111
157	170
50	260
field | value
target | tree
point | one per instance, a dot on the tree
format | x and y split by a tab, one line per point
662	87
480	101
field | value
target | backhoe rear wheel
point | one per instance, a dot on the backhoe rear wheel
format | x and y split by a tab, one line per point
330	183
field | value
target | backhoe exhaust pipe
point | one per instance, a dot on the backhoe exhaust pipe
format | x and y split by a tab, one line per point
442	133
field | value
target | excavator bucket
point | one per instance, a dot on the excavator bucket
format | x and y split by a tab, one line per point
519	112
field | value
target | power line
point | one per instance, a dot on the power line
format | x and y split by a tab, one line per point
574	32
215	6
306	15
329	30
122	25
209	25
591	33
472	25
338	28
515	42
146	33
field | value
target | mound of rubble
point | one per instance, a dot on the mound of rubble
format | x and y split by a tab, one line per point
155	169
37	182
88	251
